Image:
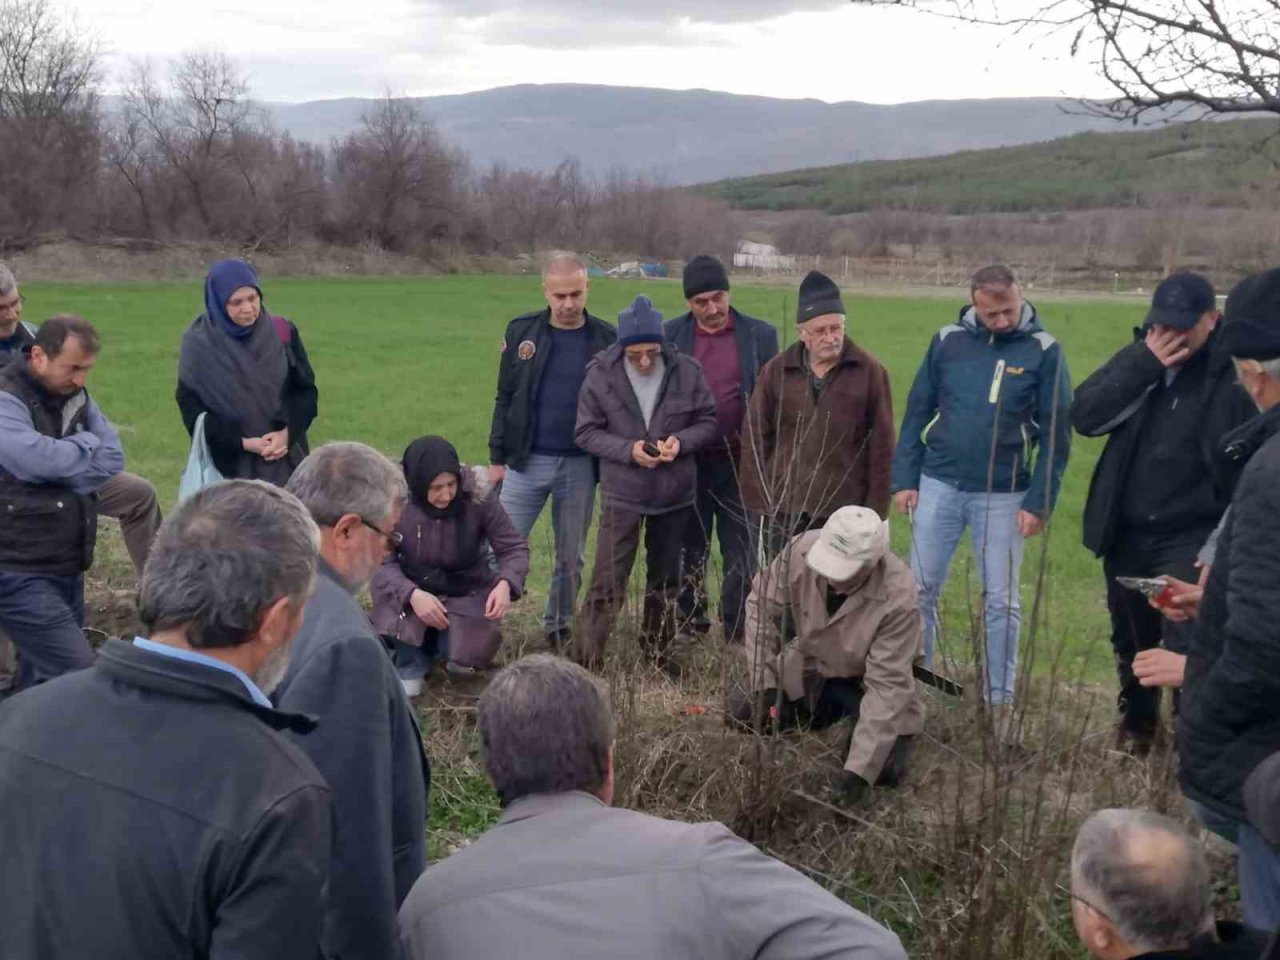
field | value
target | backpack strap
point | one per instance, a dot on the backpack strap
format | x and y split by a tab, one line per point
283	329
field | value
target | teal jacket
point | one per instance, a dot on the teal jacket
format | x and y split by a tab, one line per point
989	412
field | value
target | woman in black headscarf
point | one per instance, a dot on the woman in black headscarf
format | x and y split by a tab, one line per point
439	582
248	372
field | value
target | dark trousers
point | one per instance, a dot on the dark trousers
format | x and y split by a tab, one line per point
1136	625
829	700
42	615
617	542
719	506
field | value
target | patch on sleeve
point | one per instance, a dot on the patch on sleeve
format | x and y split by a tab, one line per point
504	344
526	350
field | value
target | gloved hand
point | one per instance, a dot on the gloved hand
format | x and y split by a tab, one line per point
848	789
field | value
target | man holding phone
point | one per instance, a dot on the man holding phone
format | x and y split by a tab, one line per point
644	410
1159	489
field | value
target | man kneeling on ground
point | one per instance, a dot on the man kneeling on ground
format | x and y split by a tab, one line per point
564	874
1140	891
851	606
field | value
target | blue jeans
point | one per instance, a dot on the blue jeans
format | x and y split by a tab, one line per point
940	521
414	663
571	484
42	616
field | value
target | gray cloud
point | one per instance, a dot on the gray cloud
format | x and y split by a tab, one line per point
634	11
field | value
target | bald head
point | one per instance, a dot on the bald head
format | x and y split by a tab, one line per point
564	283
1142	875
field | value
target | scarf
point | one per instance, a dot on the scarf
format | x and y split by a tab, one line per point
238	372
424	460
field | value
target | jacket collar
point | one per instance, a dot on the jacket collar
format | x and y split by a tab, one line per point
537	804
1235	942
190	681
588	320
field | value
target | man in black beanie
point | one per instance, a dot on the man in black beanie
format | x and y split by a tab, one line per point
732	348
819	433
1228	723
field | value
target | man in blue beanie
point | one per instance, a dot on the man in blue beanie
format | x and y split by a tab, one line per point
644	410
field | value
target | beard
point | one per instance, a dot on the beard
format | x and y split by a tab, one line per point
273	671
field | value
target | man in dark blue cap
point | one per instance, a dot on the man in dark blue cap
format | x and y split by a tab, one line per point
1229	723
1159	489
644	410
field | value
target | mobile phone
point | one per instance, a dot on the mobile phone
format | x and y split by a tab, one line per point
1153	589
651	448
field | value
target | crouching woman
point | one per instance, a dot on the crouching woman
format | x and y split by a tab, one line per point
437	595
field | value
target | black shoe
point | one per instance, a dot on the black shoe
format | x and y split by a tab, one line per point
558	640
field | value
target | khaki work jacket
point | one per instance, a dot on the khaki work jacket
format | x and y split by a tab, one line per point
877	635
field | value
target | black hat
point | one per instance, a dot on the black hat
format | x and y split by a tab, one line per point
1180	301
704	274
1251	327
818	296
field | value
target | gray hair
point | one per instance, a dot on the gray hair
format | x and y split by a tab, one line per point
341	478
995	277
226	554
7	283
545	727
1146	875
562	261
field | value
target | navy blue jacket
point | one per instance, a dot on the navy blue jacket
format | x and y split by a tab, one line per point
150	808
369	749
757	343
950	431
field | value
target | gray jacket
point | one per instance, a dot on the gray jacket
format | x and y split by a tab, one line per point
610	422
369	749
565	876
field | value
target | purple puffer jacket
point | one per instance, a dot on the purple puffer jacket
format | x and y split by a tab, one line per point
455	544
610	422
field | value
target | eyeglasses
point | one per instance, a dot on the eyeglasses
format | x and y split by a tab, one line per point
394	538
1072	895
15	304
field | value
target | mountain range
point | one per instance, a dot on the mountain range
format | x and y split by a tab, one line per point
695	136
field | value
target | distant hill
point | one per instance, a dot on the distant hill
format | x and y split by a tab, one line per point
1214	164
692	136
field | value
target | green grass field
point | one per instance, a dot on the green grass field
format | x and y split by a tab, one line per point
398	358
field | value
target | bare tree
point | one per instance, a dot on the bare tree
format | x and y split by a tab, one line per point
48	120
192	125
395	181
1201	56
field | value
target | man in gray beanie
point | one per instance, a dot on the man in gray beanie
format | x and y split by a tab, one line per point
644	410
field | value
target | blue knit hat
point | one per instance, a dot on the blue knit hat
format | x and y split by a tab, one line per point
640	323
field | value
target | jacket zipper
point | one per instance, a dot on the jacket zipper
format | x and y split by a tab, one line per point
924	434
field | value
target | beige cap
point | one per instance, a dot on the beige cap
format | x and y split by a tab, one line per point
852	538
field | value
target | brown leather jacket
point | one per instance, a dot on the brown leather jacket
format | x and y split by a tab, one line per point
802	454
877	634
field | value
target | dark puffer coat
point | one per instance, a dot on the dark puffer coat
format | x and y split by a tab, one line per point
1230	718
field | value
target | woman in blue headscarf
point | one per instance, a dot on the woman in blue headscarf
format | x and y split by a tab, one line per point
248	372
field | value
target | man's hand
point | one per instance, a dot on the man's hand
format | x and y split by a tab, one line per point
255	445
670	449
1029	524
428	608
906	500
642	458
1169	346
497	473
1158	667
277	444
1183	602
499	602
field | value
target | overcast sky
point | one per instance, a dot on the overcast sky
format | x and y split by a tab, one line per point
826	49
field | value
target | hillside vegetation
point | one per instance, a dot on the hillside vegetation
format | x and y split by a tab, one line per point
1209	164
